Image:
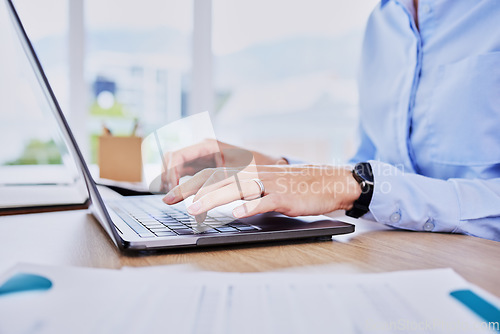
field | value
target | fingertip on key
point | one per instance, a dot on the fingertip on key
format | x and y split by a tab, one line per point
194	208
169	198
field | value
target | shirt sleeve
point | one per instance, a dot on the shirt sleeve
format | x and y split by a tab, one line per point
366	149
415	202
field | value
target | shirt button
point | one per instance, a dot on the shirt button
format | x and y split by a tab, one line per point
395	217
429	225
426	9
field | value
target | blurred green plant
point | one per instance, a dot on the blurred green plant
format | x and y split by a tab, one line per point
38	152
117	110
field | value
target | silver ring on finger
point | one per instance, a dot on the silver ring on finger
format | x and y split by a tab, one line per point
261	186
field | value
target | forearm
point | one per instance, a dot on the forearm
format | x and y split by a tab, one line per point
264	159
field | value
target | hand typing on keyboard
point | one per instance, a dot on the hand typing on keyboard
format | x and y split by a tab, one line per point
291	190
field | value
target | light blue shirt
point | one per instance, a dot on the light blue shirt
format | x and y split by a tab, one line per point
430	115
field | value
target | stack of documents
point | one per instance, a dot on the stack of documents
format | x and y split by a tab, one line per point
31	188
158	300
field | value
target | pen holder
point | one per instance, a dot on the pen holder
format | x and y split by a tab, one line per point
120	158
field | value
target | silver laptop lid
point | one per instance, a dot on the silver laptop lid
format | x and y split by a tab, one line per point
50	99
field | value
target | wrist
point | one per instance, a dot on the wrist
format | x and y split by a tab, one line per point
352	191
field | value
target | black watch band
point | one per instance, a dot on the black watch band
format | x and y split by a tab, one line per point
363	174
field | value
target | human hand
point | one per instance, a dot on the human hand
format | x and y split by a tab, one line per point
209	153
291	190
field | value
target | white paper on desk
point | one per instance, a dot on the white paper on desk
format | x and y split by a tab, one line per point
161	301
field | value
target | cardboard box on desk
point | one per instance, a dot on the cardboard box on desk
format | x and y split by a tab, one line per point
120	158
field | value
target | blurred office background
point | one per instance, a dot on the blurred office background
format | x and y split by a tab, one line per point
276	75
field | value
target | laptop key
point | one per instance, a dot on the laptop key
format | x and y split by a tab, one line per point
186	220
150	225
185	231
170	225
167	220
237	224
210	231
177	227
212	224
177	215
226	229
165	234
162	215
146	235
247	228
159	229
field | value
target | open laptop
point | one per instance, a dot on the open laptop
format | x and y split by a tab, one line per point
138	223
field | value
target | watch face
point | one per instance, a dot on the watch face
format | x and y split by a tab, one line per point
364	171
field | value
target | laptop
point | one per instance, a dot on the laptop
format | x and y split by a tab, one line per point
139	223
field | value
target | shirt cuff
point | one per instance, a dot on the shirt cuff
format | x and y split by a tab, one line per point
411	201
292	161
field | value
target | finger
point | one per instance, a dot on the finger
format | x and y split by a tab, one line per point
210	178
174	162
188	188
172	177
207	177
200	218
227	194
169	173
220	179
260	205
169	180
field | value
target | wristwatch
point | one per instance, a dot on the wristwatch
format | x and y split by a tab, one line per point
363	174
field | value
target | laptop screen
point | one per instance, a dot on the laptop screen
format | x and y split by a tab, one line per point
36	166
30	85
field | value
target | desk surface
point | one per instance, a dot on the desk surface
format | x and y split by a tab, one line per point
75	238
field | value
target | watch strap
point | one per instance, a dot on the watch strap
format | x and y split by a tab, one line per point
365	179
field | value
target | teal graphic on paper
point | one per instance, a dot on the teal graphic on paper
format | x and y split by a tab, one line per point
489	312
22	282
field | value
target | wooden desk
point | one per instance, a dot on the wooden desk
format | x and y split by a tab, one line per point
75	238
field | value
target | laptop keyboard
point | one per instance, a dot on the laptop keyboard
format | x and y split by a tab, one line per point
165	221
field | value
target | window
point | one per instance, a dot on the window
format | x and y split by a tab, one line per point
283	72
138	59
285	75
23	125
